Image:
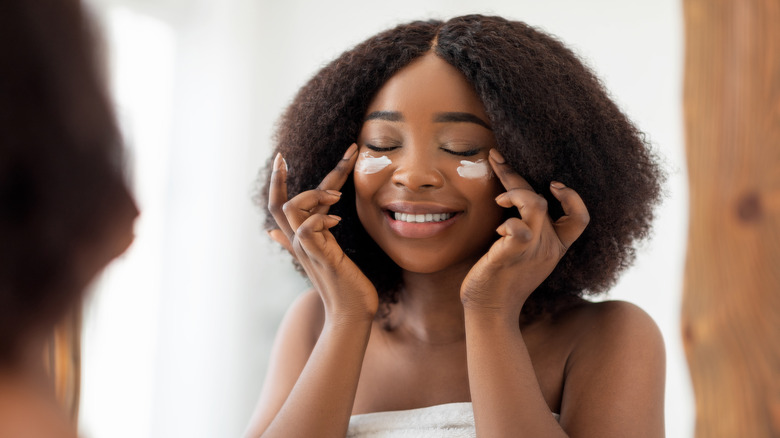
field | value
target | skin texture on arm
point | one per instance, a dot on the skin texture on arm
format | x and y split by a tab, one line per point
614	381
310	385
312	394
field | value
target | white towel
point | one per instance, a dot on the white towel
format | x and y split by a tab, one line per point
451	420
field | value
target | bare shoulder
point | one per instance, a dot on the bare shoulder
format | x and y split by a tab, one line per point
615	375
617	325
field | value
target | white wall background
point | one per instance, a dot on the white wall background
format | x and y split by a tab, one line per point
178	332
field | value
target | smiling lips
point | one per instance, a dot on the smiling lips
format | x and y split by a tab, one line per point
421	218
419	225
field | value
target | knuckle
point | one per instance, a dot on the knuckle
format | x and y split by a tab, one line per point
274	207
341	166
305	231
513	223
584	218
518	230
538	203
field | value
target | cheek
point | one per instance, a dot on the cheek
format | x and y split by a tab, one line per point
366	184
369	165
368	176
482	192
477	181
366	187
477	170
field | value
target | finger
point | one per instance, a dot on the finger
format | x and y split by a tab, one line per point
516	229
575	215
336	178
308	203
315	239
279	237
277	195
516	236
509	178
531	206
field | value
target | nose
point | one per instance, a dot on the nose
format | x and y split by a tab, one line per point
416	170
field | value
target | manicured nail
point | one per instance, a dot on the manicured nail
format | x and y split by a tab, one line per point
333	192
557	185
350	152
333	216
497	157
279	162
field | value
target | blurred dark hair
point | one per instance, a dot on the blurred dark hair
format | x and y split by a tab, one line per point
64	205
552	118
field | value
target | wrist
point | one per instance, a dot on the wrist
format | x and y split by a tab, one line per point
352	318
492	318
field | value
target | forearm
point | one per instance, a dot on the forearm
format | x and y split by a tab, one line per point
320	403
505	392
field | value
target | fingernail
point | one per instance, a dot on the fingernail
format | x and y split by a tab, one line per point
279	162
350	152
501	197
557	185
333	192
497	157
333	216
285	164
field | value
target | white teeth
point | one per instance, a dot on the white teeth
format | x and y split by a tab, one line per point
421	218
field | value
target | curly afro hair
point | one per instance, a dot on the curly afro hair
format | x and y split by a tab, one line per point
552	119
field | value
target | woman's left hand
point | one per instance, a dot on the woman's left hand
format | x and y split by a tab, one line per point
529	248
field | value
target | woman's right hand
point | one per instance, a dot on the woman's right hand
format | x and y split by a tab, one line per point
304	226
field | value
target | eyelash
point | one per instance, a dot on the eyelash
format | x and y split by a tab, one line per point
378	149
468	153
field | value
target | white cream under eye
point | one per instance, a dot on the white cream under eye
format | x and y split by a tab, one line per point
474	169
368	164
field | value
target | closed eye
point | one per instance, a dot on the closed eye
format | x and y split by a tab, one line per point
381	149
468	153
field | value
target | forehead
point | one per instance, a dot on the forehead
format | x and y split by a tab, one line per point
428	85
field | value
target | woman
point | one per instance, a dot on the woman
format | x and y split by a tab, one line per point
65	211
492	185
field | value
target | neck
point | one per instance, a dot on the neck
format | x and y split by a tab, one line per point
429	309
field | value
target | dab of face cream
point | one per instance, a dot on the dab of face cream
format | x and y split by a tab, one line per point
368	164
474	169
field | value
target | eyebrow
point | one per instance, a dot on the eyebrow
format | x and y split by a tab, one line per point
450	117
460	117
390	116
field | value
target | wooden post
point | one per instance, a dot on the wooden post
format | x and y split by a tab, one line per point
731	302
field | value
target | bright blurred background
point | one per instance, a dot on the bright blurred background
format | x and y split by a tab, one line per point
177	333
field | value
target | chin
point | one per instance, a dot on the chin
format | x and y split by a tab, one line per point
421	263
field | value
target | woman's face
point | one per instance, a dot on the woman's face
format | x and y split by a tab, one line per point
425	191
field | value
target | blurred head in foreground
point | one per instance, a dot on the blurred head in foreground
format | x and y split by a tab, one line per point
65	210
